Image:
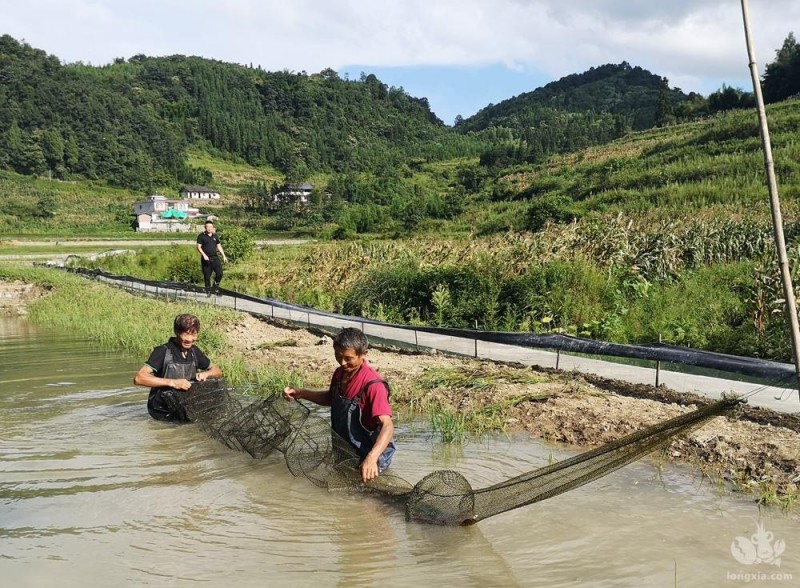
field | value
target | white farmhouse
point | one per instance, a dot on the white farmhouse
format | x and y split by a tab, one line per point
161	214
199	193
294	193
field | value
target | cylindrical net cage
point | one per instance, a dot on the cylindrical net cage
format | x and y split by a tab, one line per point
260	425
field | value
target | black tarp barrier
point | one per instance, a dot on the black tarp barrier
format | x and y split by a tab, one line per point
747	366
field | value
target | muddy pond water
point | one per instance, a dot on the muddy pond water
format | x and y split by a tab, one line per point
95	493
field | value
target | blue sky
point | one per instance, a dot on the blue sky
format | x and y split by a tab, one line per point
454	90
459	54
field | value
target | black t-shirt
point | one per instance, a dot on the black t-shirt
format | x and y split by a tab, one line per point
156	359
208	243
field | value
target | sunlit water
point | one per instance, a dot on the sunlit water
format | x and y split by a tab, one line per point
95	493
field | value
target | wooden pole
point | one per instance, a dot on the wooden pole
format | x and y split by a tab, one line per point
777	220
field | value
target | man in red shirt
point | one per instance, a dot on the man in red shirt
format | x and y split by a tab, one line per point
359	401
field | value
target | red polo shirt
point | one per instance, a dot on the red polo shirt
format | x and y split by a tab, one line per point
374	402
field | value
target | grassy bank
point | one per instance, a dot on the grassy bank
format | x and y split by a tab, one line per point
118	320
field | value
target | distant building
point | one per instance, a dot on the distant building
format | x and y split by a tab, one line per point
294	194
161	214
199	193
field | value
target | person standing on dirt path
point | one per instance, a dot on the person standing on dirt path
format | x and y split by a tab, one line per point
210	251
173	367
359	401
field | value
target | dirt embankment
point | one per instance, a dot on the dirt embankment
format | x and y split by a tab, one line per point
755	450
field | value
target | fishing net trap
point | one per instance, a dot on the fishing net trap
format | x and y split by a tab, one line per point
263	425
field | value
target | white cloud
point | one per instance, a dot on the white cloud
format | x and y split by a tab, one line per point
690	40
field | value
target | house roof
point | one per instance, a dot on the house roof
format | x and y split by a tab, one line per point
198	189
161	199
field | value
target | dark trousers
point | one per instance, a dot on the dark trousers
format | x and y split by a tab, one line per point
164	404
212	265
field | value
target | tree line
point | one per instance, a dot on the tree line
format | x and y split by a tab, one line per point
129	123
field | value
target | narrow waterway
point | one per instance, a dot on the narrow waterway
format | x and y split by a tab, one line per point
95	493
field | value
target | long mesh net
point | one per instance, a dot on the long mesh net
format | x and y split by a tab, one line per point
261	426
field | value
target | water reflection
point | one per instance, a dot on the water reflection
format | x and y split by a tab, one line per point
95	493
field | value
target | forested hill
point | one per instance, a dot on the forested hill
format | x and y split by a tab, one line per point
129	122
578	111
635	97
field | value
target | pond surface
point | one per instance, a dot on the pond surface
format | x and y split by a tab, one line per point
95	493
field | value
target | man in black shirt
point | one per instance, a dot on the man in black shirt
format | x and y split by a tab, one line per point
172	367
210	250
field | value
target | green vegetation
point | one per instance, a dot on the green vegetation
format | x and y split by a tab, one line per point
237	243
380	161
37	206
434	392
107	318
108	315
229	176
658	233
129	122
782	76
703	283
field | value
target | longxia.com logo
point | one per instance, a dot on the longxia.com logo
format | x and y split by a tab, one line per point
759	548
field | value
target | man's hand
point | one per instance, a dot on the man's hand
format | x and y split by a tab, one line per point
180	384
290	394
369	468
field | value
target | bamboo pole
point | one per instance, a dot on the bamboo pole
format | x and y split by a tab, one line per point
777	220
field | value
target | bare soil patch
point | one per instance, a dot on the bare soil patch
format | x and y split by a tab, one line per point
755	450
15	297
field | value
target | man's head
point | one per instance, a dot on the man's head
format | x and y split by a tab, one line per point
350	348
186	328
209	226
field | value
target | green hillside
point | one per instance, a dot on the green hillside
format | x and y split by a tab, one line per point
379	160
713	165
129	123
636	98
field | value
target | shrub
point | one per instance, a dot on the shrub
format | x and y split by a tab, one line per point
237	243
703	308
560	293
447	295
182	264
550	208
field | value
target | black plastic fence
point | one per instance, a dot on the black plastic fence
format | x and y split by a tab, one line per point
458	341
